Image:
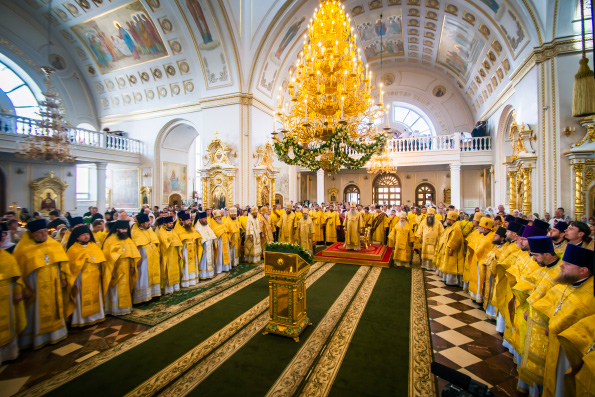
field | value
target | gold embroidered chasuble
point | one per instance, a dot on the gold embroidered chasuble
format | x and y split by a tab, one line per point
400	238
331	222
353	225
561	307
429	236
120	268
378	224
483	247
222	230
191	241
471	242
503	289
305	234
233	226
148	240
84	260
490	278
578	343
317	220
267	232
451	239
274	218
287	225
10	275
169	248
50	263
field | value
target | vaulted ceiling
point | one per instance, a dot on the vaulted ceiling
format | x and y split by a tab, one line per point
140	55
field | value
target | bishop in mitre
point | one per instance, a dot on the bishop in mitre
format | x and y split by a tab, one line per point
191	250
11	288
252	245
233	226
428	234
43	262
400	238
169	249
287	225
353	225
266	227
305	232
148	282
85	260
222	257
206	267
119	272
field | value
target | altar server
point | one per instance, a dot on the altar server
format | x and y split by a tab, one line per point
45	271
169	249
206	267
85	260
119	272
252	245
148	282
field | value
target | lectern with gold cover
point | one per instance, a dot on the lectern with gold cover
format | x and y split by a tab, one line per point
287	293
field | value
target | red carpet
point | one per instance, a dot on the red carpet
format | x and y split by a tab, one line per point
374	255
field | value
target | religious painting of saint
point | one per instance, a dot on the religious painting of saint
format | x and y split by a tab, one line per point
289	35
120	38
199	20
125	188
48	203
175	178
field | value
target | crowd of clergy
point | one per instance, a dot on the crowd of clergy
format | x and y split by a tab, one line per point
533	277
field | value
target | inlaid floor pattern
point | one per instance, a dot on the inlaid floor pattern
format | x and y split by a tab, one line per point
464	339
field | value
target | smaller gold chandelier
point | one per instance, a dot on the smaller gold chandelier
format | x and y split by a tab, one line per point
49	141
382	164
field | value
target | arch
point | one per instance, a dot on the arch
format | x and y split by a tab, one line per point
386	189
424	193
174	199
351	193
501	150
279	199
166	140
18	90
412	119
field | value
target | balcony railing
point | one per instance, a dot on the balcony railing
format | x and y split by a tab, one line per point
440	143
23	126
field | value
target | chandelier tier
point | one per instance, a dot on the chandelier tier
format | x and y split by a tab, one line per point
330	114
49	141
382	164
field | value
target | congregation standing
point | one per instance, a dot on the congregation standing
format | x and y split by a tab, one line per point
532	276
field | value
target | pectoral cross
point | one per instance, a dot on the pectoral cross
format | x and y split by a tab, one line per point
92	258
558	308
591	348
46	258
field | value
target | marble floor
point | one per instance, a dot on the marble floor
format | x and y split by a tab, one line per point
464	339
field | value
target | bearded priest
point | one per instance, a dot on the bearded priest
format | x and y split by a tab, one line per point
399	238
305	232
265	227
353	225
428	233
169	248
45	271
252	246
207	238
85	258
222	257
191	250
287	225
148	282
119	272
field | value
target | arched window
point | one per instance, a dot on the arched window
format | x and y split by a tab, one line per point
386	189
425	194
413	122
351	194
17	92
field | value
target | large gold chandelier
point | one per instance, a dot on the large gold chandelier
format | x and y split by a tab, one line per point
330	112
49	141
382	164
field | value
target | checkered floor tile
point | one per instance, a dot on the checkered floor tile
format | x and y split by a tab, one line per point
464	339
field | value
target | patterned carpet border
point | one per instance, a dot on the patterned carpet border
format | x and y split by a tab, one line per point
157	312
421	380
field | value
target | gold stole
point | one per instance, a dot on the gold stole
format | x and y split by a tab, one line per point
84	260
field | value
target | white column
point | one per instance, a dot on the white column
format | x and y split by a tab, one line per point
455	185
320	186
101	167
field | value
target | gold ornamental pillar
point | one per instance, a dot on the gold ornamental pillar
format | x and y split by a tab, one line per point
287	294
512	190
526	174
579	196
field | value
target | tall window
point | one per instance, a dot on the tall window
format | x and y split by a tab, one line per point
386	189
18	92
425	194
351	194
413	122
83	183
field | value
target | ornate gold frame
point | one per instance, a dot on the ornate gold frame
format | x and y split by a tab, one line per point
332	191
41	185
220	173
265	173
145	190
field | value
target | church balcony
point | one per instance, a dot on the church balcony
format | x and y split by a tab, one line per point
86	145
440	149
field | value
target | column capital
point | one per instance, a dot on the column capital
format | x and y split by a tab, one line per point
101	165
320	172
455	166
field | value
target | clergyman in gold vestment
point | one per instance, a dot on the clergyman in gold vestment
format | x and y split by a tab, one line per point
353	225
